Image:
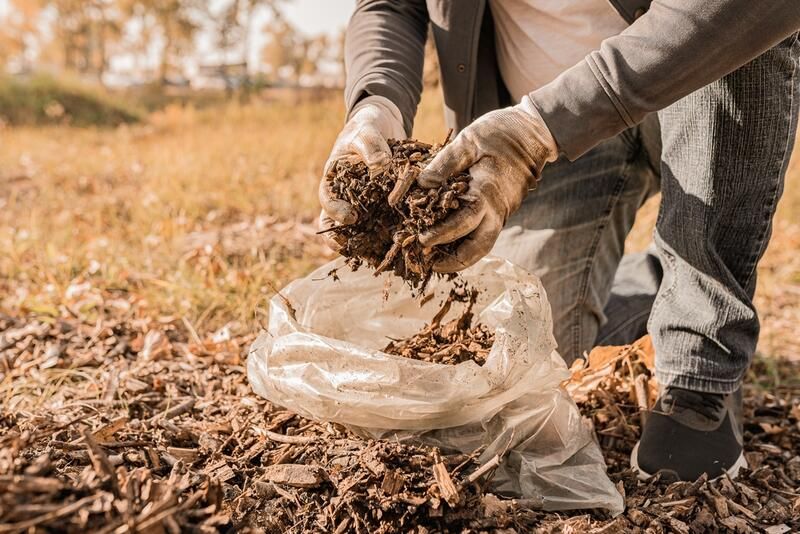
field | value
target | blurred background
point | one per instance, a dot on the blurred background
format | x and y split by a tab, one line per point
160	159
168	48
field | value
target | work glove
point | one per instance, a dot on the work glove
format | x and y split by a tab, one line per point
504	152
370	123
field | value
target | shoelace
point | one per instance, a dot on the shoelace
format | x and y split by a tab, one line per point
707	404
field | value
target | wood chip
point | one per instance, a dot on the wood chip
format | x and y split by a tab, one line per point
291	440
295	475
393	482
105	433
448	489
181	453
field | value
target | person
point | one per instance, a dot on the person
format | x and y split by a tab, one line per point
571	113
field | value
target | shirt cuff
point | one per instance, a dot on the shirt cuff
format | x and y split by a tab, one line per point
377	85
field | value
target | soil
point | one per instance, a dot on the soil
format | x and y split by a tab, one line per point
386	234
453	342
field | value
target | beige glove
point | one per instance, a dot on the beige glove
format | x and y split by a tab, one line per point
505	152
370	123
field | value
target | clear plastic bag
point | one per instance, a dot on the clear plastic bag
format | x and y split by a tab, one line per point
321	357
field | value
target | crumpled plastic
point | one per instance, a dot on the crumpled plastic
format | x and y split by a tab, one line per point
321	358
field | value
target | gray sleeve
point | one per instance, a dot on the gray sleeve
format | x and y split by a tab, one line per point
384	53
677	47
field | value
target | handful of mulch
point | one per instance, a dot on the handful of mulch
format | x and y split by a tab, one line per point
453	342
390	220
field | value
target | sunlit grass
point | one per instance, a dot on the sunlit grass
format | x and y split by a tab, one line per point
115	207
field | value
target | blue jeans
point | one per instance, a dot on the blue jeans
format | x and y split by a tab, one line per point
718	157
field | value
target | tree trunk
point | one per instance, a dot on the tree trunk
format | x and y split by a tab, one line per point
248	29
100	53
165	52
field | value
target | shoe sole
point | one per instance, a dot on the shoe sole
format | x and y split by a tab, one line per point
732	471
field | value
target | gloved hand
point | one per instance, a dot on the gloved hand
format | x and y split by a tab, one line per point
504	152
371	122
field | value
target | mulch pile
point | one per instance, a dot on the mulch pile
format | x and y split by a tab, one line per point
386	234
112	422
617	388
453	342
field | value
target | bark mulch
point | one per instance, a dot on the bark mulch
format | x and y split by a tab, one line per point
113	422
393	210
452	342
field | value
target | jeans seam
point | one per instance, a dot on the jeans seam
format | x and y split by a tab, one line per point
664	292
591	257
762	240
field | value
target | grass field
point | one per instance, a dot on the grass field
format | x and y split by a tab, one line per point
201	215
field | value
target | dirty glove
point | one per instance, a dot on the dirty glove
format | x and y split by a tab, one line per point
504	152
371	122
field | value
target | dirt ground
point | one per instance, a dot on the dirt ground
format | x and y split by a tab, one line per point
137	263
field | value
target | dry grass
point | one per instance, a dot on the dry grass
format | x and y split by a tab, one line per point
202	214
137	208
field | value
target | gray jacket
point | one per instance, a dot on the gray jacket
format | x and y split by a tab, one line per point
670	49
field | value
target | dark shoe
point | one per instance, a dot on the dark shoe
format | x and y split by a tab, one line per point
689	433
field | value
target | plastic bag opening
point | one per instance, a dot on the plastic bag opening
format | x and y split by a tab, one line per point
323	360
